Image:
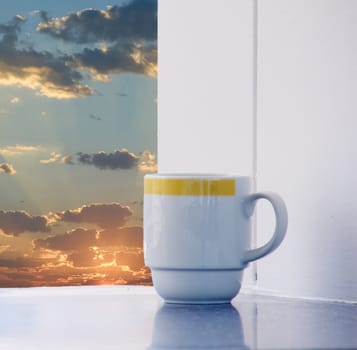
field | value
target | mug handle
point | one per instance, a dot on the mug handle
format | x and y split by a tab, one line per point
281	215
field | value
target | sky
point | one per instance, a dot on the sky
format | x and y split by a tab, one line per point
78	105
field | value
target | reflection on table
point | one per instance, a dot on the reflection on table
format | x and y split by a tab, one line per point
197	327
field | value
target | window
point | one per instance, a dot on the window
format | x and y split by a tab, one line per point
77	134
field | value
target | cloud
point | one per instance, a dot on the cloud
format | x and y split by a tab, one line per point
85	247
22	262
54	156
19	150
15	100
120	38
81	238
68	159
15	222
4	247
147	162
106	216
7	168
18	274
76	239
130	30
131	237
133	58
134	260
49	75
80	257
83	258
135	20
119	159
94	117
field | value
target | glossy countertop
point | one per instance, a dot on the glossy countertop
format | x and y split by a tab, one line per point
134	317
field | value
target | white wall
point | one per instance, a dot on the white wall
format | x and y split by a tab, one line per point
205	86
307	105
307	144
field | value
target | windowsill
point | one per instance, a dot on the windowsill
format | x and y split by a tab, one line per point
133	317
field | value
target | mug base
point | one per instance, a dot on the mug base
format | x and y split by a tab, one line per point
188	286
198	302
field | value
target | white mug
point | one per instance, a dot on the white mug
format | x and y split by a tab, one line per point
197	232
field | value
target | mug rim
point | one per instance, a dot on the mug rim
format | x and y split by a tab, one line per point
211	176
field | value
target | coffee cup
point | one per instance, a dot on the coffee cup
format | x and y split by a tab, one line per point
197	234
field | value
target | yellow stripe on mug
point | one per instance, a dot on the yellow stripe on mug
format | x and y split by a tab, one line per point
190	187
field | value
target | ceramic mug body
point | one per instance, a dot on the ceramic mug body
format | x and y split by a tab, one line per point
197	231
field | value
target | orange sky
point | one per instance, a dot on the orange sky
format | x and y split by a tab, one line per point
93	244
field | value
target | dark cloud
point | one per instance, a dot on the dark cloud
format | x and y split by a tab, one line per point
90	257
94	117
51	76
132	58
16	222
80	257
23	262
73	240
134	260
10	31
80	238
130	30
22	276
119	159
7	168
83	258
107	216
89	248
127	236
85	248
135	21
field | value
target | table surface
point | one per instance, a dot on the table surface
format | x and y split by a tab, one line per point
133	317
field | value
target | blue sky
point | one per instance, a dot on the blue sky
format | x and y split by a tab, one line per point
78	105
